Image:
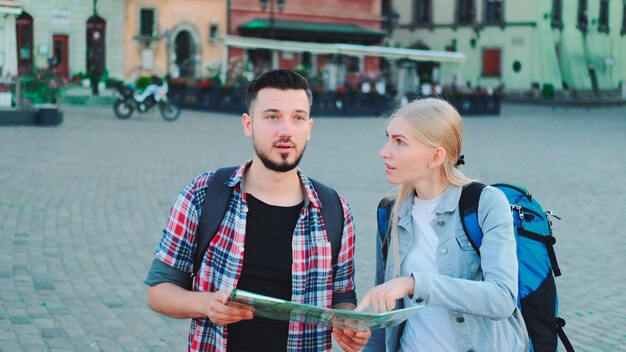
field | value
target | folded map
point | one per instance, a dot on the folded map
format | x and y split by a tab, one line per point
274	308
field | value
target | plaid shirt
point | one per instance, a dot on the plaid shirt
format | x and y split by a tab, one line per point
312	280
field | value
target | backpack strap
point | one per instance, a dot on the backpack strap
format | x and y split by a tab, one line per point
556	322
217	197
332	213
468	209
383	214
548	241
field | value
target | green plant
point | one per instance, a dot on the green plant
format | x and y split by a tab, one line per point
112	82
79	76
303	71
48	86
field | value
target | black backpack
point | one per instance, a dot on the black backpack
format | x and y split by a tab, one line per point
218	196
538	301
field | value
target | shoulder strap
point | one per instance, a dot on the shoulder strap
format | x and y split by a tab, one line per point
382	216
213	210
332	213
468	209
218	196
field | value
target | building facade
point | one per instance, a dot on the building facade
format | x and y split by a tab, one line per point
305	21
70	36
179	38
521	45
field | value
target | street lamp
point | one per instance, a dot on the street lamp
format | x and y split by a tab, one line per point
390	21
271	5
94	50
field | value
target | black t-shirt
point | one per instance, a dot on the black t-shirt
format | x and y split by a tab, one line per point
266	270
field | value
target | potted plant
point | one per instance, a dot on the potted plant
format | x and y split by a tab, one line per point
49	84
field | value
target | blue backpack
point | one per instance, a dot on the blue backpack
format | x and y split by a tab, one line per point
537	295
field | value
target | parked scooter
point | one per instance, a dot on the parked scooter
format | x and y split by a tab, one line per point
154	95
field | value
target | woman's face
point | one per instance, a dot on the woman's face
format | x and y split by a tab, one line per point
406	159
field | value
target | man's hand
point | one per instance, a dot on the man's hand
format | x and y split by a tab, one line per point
350	340
220	313
176	302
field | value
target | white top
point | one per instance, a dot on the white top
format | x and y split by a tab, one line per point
429	329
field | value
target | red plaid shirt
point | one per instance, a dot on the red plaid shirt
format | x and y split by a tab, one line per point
313	281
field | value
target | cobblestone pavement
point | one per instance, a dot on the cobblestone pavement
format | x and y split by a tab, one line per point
82	206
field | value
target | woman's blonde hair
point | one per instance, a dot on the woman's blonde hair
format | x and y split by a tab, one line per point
435	123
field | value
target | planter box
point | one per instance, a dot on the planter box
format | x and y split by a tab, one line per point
5	99
17	118
49	117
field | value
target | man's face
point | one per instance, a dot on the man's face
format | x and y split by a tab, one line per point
280	127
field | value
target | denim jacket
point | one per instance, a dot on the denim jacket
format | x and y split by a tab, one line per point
480	293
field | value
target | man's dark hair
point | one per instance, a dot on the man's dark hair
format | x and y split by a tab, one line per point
279	79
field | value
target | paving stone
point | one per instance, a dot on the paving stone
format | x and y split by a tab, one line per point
50	333
82	206
20	320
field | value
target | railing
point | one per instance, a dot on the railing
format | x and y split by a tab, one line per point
328	103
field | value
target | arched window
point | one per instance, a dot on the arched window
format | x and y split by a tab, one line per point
24	29
582	16
603	18
624	18
557	13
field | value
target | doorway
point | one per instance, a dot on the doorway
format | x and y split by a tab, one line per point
594	78
184	49
24	29
60	51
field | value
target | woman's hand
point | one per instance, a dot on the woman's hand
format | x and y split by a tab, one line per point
383	297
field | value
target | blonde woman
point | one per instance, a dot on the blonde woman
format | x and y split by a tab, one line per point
469	300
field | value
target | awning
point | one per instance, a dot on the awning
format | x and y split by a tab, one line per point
312	31
10	7
345	49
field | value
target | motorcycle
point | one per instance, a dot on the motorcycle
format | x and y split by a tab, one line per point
155	95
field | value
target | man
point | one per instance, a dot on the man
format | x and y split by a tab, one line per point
271	240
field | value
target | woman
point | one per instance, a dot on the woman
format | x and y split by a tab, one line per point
469	300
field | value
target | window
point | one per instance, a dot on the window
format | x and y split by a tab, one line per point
491	62
582	15
465	11
603	19
557	13
422	12
494	11
624	18
146	23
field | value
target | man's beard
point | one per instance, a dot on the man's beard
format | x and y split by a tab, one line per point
283	166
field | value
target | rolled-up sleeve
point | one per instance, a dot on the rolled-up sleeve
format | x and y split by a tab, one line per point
174	254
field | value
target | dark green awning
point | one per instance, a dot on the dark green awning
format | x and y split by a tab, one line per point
312	31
